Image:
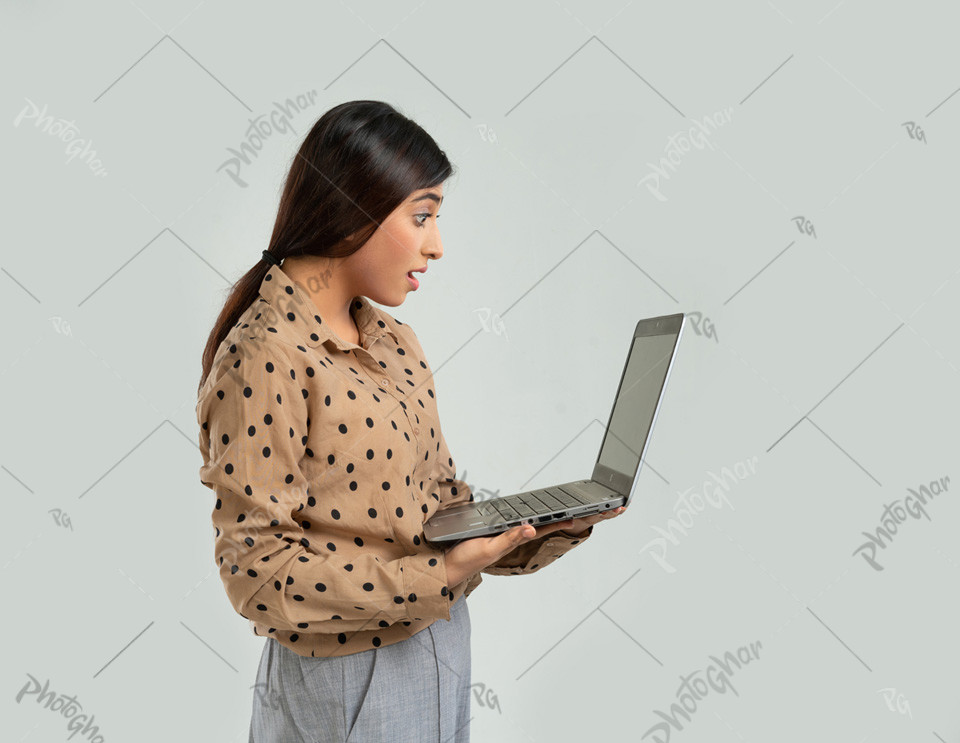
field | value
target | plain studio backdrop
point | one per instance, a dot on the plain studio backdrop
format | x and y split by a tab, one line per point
783	172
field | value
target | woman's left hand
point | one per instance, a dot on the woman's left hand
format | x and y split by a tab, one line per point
576	527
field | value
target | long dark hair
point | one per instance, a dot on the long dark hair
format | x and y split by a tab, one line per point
359	162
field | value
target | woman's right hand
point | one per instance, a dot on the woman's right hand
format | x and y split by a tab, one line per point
474	554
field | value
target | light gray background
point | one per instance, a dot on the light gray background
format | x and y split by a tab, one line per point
833	355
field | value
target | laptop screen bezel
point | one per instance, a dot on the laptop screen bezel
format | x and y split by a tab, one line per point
652	326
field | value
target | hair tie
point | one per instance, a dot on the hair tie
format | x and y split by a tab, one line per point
270	258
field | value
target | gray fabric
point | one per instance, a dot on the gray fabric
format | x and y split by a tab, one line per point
416	691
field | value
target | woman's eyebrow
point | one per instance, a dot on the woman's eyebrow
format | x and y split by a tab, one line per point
431	195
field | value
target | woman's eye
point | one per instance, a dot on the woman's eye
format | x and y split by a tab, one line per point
425	216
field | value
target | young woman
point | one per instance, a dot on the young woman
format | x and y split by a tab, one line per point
321	439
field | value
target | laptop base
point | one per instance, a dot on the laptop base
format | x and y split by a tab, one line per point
490	517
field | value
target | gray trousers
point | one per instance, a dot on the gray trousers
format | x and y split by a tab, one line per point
417	690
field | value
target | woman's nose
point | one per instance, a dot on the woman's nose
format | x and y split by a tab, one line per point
434	245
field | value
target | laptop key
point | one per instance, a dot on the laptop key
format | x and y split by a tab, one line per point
578	498
552	501
536	502
565	499
506	510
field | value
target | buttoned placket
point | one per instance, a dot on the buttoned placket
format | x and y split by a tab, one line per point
295	306
366	361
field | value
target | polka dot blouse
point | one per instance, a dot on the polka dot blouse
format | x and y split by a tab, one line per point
327	458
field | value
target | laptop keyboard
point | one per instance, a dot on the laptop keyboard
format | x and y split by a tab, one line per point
533	503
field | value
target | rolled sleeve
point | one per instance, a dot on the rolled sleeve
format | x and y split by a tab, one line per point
536	554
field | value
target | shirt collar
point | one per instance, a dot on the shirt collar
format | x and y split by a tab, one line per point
297	312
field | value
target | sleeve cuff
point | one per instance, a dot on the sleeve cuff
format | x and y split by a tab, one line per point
425	585
572	537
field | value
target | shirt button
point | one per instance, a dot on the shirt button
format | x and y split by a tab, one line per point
384	382
416	431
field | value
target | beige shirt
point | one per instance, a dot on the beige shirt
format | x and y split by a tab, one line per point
327	458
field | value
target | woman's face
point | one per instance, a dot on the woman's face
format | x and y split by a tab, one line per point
404	242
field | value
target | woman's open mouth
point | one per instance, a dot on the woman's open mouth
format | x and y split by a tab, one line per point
413	281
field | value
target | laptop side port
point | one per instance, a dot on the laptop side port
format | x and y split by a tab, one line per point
553	517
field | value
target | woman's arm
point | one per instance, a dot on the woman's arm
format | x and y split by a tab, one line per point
253	431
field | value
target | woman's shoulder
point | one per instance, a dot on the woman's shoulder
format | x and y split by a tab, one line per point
240	354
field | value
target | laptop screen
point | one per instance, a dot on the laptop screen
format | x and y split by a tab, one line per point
636	405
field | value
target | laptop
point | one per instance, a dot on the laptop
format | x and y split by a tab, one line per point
653	348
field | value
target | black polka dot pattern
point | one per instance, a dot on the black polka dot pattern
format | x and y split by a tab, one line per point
326	458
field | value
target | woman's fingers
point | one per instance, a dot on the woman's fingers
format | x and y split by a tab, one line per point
517	535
